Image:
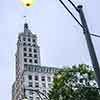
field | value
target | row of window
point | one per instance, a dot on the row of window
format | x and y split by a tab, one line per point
28	39
37	85
29	49
31	92
37	68
29	44
36	77
30	55
30	60
37	98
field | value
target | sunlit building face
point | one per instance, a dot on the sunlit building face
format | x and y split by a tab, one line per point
28	3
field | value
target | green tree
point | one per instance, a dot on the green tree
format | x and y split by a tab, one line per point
74	83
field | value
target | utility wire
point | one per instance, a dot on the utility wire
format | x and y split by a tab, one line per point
73	5
71	13
74	16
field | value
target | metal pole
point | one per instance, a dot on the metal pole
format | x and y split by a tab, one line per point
74	16
90	45
24	92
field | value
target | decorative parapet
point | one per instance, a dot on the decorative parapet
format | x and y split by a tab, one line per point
38	68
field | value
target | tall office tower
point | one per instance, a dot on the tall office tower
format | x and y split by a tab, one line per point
30	75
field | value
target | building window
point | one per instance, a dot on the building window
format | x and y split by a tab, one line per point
44	85
36	78
25	49
35	51
25	60
30	55
29	39
35	61
49	79
24	44
31	92
30	98
35	56
33	40
34	45
30	60
49	85
24	39
30	84
36	84
25	54
29	44
30	77
37	98
43	78
30	50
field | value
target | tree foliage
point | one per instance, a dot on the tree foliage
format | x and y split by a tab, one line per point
74	83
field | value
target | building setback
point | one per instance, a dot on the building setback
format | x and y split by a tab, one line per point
30	75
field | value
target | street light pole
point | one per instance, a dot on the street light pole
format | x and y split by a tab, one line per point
87	36
89	44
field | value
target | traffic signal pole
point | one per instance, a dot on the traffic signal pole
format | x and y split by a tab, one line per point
89	44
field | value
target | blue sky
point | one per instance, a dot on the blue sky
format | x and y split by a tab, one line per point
60	38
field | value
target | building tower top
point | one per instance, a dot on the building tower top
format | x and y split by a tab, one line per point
26	25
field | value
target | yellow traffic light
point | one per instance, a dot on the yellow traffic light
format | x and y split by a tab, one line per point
28	3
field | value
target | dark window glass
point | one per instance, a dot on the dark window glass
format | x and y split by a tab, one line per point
30	84
25	54
43	78
35	56
36	84
25	60
34	45
25	49
35	61
24	39
30	50
30	60
29	44
30	98
35	51
30	77
33	40
24	44
29	39
36	78
30	55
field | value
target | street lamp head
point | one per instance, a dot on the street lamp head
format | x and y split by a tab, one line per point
80	6
28	3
